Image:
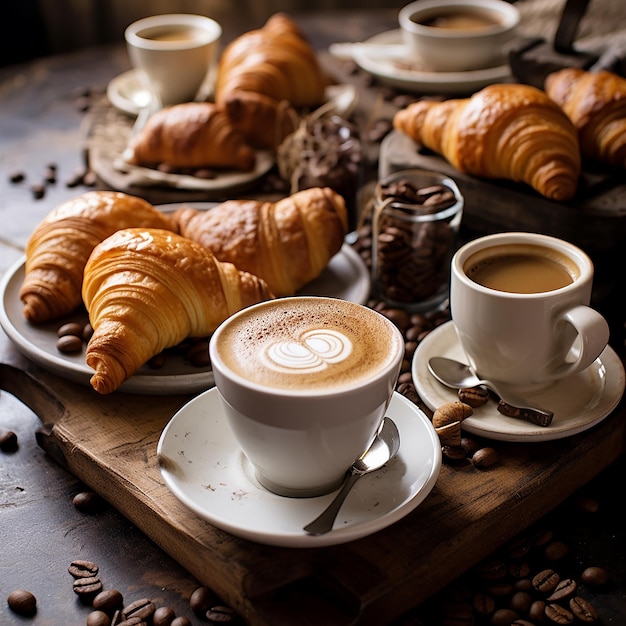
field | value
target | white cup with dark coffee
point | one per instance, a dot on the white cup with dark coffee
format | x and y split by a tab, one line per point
305	383
520	304
175	54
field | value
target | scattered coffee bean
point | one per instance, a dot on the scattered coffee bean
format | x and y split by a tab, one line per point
583	610
587	504
163	616
87	502
546	580
108	601
504	617
17	176
83	569
70	328
181	621
38	190
201	600
8	441
595	576
198	353
565	589
555	551
87	586
131	621
221	615
520	602
484	458
69	344
558	614
22	602
143	608
474	396
98	618
483	603
50	175
537	611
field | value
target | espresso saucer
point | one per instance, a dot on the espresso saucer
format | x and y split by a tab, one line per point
411	77
579	401
206	470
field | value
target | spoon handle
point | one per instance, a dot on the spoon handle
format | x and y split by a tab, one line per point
324	522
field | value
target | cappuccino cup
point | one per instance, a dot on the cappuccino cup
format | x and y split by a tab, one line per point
305	382
520	304
174	53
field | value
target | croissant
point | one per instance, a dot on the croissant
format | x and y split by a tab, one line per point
148	289
506	131
278	62
191	135
596	104
60	245
286	243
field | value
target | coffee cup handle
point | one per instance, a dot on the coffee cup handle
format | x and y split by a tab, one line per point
592	337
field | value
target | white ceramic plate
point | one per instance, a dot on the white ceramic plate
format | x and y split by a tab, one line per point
411	77
206	470
579	402
346	277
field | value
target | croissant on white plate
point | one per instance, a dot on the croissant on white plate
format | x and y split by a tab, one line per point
596	104
287	243
148	289
60	245
505	131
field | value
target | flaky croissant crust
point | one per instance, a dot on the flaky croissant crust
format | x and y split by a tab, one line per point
507	131
288	243
596	104
60	245
275	60
193	135
149	289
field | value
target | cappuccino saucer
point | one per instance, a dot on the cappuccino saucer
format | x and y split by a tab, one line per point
203	466
579	401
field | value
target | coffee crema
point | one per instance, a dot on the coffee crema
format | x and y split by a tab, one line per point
173	33
459	20
309	345
521	268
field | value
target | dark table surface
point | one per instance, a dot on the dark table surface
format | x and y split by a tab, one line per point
42	123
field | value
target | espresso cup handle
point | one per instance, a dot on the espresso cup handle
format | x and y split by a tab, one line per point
592	333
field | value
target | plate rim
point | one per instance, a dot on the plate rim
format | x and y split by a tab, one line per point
448	81
299	538
522	432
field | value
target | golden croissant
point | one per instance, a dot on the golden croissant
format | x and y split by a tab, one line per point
596	104
286	243
148	289
278	62
60	245
504	131
191	135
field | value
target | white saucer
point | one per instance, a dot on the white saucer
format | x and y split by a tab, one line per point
345	277
205	469
403	75
579	402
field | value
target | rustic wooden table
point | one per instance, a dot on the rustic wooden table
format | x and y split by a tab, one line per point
146	545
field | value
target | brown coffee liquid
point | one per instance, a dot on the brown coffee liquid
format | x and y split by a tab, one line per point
523	270
459	20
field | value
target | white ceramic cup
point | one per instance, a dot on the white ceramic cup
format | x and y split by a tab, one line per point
525	341
174	53
305	382
458	35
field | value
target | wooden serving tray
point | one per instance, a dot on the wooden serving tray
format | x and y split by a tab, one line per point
110	443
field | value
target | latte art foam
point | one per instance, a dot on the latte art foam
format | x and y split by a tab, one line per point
309	345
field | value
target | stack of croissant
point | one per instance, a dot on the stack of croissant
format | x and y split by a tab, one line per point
264	78
524	134
146	286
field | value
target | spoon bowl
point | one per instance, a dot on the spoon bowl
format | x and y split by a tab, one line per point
458	375
384	447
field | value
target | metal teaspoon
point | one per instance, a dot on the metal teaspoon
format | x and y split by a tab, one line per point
384	447
459	376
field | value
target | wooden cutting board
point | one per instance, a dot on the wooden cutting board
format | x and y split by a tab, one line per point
110	443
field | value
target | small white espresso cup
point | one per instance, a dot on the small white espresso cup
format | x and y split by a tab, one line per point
175	54
305	382
520	304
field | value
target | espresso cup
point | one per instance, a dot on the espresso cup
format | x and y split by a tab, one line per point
305	383
174	53
520	304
